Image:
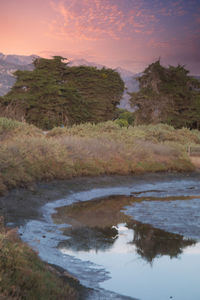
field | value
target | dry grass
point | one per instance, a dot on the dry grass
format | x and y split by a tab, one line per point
10	129
160	133
195	161
24	276
27	155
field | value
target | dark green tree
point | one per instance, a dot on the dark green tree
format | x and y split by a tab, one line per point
167	95
55	93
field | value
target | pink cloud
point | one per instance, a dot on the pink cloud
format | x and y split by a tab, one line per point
98	19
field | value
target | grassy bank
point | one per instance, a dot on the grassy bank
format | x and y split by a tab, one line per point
24	276
28	155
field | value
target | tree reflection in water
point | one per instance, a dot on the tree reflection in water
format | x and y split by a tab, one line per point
94	227
151	242
86	239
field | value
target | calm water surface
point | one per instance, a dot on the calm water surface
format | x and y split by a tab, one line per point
142	277
143	262
137	237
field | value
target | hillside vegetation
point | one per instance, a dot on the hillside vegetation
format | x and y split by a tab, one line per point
167	95
55	94
24	276
27	155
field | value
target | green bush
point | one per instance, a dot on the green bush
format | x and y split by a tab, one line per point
122	122
125	115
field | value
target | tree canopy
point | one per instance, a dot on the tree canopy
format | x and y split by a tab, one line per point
167	95
55	93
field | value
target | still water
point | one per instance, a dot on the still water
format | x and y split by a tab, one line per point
164	276
143	262
122	237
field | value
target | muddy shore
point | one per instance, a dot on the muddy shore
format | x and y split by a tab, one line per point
22	204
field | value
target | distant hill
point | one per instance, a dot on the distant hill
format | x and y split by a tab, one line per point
21	60
8	65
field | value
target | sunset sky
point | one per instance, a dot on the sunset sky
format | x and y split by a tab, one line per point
126	33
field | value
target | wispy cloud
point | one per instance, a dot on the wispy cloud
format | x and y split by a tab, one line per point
131	32
98	19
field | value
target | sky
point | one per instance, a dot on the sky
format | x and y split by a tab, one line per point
127	33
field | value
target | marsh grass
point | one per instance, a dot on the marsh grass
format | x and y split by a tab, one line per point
28	155
155	133
9	129
24	276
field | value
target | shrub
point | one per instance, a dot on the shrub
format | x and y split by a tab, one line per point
122	122
125	115
29	155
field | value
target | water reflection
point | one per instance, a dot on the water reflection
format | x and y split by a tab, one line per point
104	212
149	242
86	239
95	227
152	242
140	259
